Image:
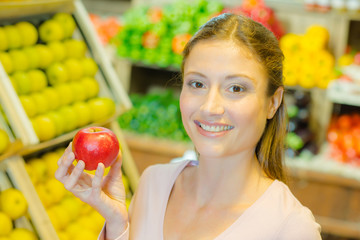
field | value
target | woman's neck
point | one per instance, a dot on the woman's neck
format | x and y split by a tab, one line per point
228	181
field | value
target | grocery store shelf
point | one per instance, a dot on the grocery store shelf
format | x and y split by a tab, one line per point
344	93
13	148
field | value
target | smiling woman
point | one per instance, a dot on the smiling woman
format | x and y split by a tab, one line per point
232	108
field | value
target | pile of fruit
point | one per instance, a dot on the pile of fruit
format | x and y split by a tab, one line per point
52	75
157	35
348	67
4	141
308	62
299	139
344	138
106	27
156	114
71	218
13	206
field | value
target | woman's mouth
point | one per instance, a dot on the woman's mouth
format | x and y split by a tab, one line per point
214	127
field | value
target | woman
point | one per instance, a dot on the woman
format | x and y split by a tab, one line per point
232	108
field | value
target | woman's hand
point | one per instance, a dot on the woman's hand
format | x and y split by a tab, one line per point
105	194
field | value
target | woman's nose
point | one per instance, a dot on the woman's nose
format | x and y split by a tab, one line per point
213	103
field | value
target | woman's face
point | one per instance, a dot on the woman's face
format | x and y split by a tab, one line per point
223	100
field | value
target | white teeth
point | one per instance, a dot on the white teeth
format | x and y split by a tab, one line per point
215	128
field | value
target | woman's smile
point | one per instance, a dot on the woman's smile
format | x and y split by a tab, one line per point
213	127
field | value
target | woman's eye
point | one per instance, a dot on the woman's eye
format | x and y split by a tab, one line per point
196	84
236	89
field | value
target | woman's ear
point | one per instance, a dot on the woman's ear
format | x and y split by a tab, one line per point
275	102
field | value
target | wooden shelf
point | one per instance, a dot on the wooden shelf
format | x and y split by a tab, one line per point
13	148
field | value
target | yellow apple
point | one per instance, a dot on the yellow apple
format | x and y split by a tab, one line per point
56	189
23	234
33	177
63	218
65	93
98	221
19	60
45	196
41	102
28	33
91	86
57	73
51	159
74	68
29	105
58	120
38	80
39	168
6	62
78	90
101	108
23	82
52	96
3	40
67	22
33	57
71	206
46	55
13	37
58	49
51	30
70	117
89	66
72	230
6	225
13	203
44	127
4	141
75	48
84	113
14	84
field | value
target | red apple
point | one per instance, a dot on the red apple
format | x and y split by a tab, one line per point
94	145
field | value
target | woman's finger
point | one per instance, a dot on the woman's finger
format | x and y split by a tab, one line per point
66	166
66	152
97	179
115	169
73	178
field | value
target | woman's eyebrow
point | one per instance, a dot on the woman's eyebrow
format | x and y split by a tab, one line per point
195	73
242	76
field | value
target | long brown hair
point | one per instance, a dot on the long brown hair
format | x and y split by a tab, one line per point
263	44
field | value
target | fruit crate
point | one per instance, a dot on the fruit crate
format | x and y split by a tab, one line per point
14	175
109	84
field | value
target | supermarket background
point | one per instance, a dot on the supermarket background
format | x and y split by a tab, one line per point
70	64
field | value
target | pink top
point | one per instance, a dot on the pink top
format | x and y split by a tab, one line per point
277	214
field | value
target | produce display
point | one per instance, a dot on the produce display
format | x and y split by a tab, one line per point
299	139
71	218
308	62
94	145
52	75
13	206
156	114
344	138
157	35
106	27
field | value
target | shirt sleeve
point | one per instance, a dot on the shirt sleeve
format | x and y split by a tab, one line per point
123	236
299	226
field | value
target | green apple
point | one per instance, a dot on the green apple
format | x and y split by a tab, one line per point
65	93
13	37
46	55
38	80
58	49
75	48
70	117
74	68
32	56
4	140
29	105
28	33
91	86
53	97
51	30
101	108
67	22
23	82
6	62
58	120
19	60
41	102
44	127
3	40
84	113
79	91
57	73
89	66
